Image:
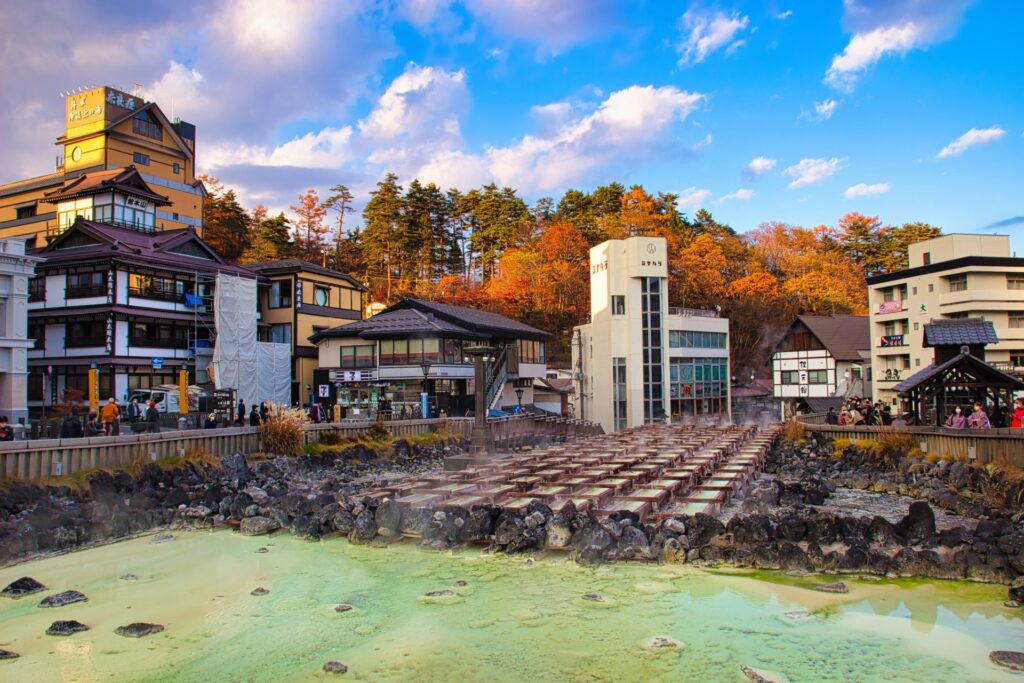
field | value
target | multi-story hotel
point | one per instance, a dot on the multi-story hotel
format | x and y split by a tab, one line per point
639	361
953	276
301	299
107	132
16	269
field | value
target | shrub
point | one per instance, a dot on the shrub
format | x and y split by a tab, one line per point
330	438
282	432
842	444
795	432
895	442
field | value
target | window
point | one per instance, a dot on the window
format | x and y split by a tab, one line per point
931	287
696	340
530	351
817	376
1017	359
175	168
37	333
1016	319
321	295
917	362
158	335
144	125
157	287
650	337
914	290
140	158
619	401
957	283
37	288
1012	281
451	350
86	284
699	386
356	357
618	304
26	212
432	351
280	294
926	258
789	377
916	326
68	211
88	333
280	334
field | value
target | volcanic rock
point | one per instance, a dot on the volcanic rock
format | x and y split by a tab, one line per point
61	599
138	629
26	585
335	668
65	628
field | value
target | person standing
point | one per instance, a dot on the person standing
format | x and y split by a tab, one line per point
254	417
71	428
1017	418
241	412
6	430
830	417
134	411
264	411
314	412
153	418
979	418
110	414
210	422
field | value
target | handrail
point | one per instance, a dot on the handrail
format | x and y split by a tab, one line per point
496	378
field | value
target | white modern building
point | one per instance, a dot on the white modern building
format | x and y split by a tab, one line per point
16	269
639	361
822	360
953	276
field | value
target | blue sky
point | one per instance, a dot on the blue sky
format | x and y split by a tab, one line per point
771	110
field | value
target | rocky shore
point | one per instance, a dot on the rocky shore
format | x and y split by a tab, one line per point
779	525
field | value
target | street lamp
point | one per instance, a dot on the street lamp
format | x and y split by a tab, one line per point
519	397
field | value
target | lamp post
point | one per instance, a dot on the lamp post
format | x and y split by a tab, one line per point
425	394
519	398
480	442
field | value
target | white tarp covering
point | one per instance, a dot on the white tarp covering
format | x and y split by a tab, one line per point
234	352
274	376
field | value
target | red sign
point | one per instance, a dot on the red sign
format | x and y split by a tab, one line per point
890	307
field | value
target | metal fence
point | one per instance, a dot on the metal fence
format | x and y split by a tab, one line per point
981	446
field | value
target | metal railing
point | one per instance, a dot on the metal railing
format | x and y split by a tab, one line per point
496	376
693	312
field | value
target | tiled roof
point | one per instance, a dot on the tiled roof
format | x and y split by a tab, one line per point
843	336
416	317
104	242
294	265
17	186
959	332
821	405
980	367
126	180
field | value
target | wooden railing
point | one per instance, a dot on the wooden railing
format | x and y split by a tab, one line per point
42	458
979	445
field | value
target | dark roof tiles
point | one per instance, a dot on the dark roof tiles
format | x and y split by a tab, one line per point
294	265
843	336
959	332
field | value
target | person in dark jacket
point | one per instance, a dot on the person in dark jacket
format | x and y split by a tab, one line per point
93	426
153	418
264	411
254	417
210	422
6	430
241	412
831	417
72	427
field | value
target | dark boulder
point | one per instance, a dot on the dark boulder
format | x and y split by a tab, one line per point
66	628
364	529
7	654
702	528
633	545
307	527
334	667
236	469
258	526
138	629
750	529
592	544
919	523
1016	591
854	560
61	599
791	557
26	585
389	517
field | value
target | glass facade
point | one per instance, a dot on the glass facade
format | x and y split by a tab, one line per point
619	404
654	384
699	386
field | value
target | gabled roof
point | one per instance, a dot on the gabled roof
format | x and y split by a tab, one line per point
125	180
171	250
482	321
419	318
17	186
843	336
162	119
294	265
978	367
959	332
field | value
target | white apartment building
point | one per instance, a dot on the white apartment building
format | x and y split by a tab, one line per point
15	271
953	276
638	360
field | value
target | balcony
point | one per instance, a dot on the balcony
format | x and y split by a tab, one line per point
983	299
892	375
157	294
693	312
85	291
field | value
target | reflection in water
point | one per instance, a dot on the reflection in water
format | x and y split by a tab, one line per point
511	619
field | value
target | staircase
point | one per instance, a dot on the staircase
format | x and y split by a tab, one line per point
495	376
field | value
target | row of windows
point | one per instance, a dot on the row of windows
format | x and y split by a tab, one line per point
678	339
95	283
530	351
954	283
356	357
698	377
280	296
813	377
90	333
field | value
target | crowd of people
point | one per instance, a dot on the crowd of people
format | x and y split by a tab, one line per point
860	413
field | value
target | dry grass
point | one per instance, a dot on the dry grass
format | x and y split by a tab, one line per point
895	442
795	432
283	431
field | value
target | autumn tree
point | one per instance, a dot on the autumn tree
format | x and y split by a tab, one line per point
897	240
225	223
310	229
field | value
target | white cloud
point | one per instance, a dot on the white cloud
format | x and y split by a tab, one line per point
692	198
761	165
864	49
973	137
420	97
825	109
326	148
553	26
784	15
865	190
704	33
743	194
810	171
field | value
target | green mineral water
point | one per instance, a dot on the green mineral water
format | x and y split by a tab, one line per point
499	619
